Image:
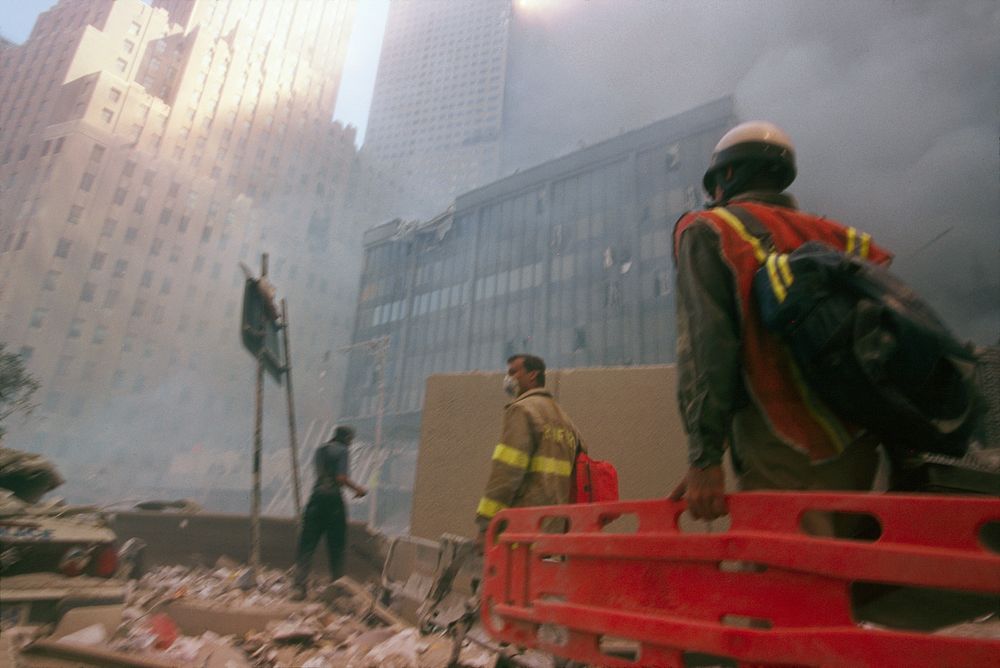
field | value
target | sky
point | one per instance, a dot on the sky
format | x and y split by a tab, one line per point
18	16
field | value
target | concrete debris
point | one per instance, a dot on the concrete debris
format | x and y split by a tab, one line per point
88	636
230	617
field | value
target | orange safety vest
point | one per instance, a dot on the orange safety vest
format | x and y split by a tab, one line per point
794	413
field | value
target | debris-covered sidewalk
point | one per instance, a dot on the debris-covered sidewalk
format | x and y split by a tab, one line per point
227	618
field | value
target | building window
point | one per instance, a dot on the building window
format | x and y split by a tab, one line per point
147	279
75	213
138	308
51	278
96	153
129	168
172	190
140	204
100	334
86	182
165	215
107	115
75	326
38	317
62	247
120	267
97	261
111	298
206	234
128	46
109	226
46	146
58	146
114	94
165	286
130	234
87	293
156	247
134	28
183	224
120	195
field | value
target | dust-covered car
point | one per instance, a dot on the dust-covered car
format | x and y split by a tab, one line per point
53	556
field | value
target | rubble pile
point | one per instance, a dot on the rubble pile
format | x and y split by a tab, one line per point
226	617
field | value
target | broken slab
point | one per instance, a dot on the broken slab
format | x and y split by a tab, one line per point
194	617
100	657
108	616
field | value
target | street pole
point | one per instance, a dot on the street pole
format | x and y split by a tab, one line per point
380	353
293	441
257	450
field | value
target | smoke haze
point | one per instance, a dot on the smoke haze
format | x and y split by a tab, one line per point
892	107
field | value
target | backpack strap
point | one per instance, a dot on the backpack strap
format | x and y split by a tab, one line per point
749	229
754	233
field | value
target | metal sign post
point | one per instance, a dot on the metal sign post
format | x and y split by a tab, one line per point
258	447
293	442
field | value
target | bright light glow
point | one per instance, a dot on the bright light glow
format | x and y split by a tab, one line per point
537	5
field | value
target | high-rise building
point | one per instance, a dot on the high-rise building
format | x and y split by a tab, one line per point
569	260
145	152
437	108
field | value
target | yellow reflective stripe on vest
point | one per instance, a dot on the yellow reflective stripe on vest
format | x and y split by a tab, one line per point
772	272
510	456
859	247
488	507
551	465
786	270
738	227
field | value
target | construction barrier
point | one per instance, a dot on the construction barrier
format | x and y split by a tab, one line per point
623	584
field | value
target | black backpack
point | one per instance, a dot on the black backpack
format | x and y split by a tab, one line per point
868	345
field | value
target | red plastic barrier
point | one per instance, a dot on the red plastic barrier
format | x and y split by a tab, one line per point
762	593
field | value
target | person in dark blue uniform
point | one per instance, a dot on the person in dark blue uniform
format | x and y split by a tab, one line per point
326	512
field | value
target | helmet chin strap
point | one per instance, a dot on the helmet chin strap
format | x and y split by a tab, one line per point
741	176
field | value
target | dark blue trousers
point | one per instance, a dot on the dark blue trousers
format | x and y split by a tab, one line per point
325	514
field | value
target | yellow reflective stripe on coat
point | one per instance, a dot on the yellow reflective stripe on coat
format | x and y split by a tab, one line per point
551	465
772	272
866	242
510	456
488	507
735	223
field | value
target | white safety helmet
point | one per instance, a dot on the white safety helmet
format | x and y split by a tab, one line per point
759	144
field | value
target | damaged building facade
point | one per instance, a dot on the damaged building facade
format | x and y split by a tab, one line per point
569	260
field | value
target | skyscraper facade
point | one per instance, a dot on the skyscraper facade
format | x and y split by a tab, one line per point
437	107
145	152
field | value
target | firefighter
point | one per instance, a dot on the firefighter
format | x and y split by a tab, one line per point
533	462
737	386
